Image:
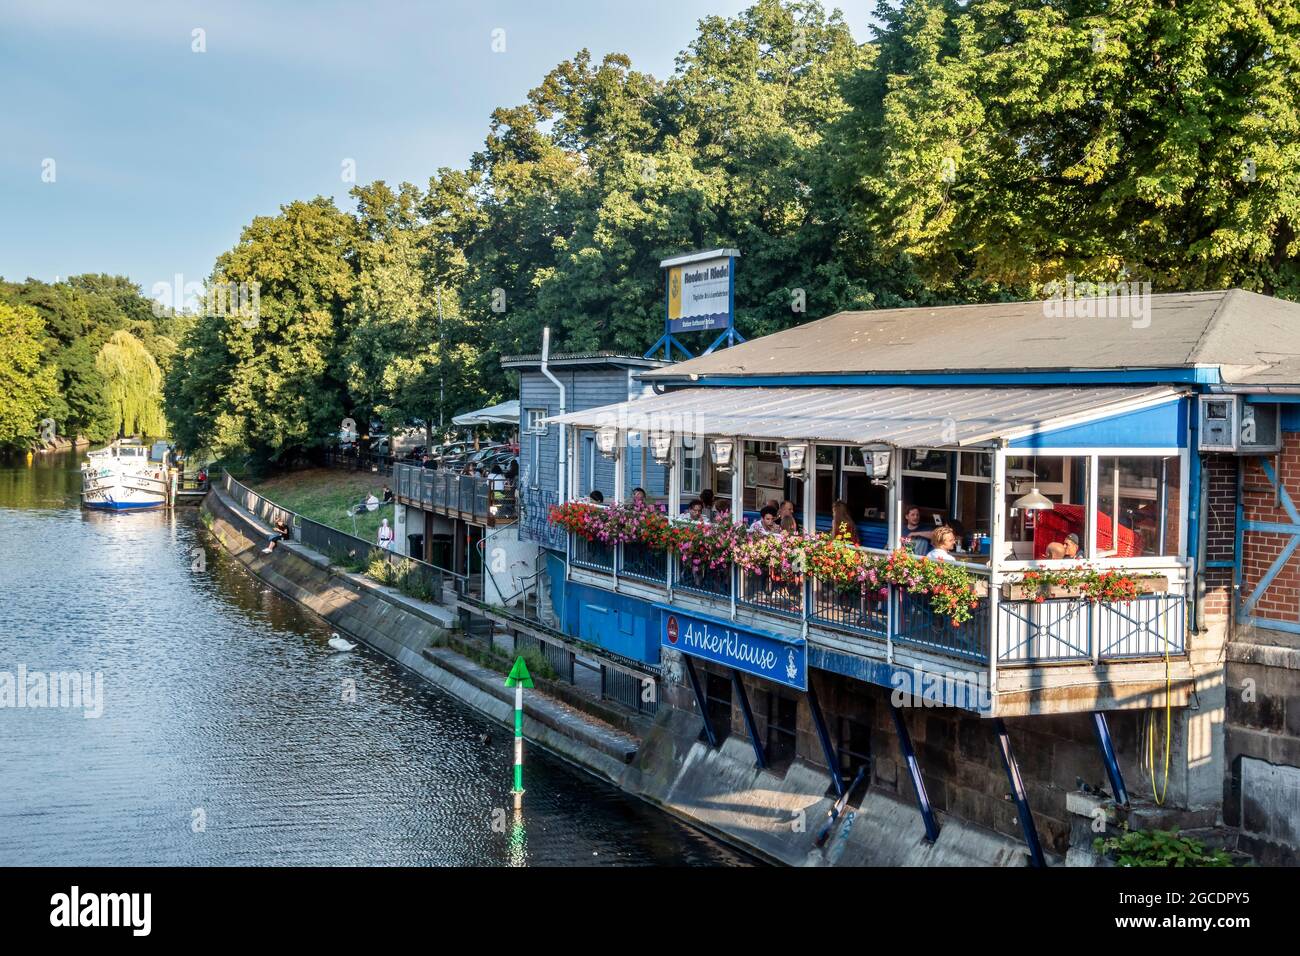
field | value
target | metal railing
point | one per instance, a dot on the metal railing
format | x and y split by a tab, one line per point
1075	629
638	561
343	549
1028	632
358	461
441	490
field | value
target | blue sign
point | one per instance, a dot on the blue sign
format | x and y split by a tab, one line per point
781	660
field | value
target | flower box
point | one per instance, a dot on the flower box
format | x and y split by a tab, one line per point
1017	591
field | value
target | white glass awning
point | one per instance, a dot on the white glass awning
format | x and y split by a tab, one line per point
901	416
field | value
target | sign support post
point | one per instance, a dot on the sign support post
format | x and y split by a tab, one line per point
519	678
695	287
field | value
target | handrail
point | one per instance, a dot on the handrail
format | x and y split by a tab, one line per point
432	573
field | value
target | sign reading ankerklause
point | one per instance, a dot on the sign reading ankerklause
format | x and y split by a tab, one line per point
780	660
699	295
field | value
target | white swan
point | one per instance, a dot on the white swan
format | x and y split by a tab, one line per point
339	644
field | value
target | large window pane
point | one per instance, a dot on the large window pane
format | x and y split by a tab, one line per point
1138	507
1031	533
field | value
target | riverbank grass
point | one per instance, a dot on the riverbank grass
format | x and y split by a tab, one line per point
325	495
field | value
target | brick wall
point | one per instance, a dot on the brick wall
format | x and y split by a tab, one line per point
1220	474
1281	600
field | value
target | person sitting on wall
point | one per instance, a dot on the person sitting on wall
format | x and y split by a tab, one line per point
766	523
281	531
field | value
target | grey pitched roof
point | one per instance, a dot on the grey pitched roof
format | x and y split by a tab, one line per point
1243	333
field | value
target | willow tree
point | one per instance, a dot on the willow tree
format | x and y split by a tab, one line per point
134	385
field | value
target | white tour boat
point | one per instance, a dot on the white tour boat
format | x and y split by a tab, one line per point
126	476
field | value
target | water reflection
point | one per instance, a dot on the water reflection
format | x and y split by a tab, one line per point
233	734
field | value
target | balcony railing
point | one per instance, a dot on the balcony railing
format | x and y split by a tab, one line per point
439	490
1028	632
638	561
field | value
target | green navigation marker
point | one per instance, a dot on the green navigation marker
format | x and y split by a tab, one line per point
519	679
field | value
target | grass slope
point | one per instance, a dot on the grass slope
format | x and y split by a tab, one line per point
325	495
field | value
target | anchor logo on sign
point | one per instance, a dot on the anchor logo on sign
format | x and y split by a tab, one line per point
790	670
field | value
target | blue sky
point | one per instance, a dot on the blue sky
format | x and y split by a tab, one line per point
161	154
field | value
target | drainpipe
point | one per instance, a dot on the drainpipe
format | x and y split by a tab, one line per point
1202	529
563	468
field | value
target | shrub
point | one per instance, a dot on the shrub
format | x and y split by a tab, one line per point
1164	848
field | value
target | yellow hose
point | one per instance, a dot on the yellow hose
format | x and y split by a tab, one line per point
1160	795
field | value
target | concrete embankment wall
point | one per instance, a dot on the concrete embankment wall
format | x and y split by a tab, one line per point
775	816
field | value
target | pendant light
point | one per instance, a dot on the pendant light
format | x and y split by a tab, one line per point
1034	501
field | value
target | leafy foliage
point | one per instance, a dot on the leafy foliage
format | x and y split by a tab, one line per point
1159	848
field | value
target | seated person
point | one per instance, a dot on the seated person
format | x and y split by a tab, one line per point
388	494
708	507
912	534
766	522
785	517
695	510
596	497
943	541
281	531
1066	550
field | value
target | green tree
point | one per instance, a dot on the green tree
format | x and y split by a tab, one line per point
29	384
133	383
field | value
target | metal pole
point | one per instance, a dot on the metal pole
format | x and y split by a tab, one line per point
1108	757
699	699
1018	791
819	722
760	758
914	768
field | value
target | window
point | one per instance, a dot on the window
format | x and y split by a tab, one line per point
693	451
537	420
1060	479
535	460
1138	498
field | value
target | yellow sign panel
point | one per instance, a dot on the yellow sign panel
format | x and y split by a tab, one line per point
675	292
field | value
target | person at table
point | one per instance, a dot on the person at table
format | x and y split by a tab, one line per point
695	510
913	534
707	507
785	517
596	497
638	497
943	541
1067	550
842	525
766	523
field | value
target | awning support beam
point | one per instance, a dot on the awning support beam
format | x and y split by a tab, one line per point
828	751
1012	768
1108	757
700	701
760	758
914	769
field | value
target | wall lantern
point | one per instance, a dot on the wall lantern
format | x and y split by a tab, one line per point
875	460
720	450
794	456
661	447
607	441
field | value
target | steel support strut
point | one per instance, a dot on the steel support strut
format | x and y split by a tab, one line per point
914	768
699	699
832	758
1018	791
1108	757
759	757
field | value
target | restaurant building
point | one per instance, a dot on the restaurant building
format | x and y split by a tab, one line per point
1162	437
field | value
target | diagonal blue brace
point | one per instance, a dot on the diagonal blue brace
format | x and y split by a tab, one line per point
914	768
759	757
1108	757
1018	791
832	758
699	699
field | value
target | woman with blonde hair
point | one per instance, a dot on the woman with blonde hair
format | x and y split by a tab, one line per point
943	539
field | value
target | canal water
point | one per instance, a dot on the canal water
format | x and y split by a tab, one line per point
231	734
